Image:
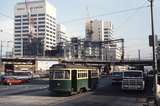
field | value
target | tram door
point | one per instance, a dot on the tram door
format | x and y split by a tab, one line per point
89	78
74	80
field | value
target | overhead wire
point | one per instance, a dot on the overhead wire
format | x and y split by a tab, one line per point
106	14
100	15
129	17
4	15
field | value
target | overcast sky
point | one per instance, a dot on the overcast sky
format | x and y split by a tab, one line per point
133	26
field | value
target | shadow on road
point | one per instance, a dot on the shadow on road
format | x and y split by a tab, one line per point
115	90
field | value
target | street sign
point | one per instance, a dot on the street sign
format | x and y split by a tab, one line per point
151	40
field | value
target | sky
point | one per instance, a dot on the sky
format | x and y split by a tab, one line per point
134	26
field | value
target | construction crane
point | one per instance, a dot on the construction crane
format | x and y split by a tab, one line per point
31	29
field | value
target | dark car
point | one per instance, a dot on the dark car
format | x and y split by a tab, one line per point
116	77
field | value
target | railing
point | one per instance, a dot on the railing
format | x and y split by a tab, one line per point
99	60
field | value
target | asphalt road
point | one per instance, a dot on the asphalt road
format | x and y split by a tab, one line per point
105	95
109	95
33	85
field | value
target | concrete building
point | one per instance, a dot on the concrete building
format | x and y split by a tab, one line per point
98	30
34	65
43	17
113	52
75	48
9	54
61	33
91	50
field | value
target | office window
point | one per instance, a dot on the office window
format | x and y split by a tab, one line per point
17	23
17	35
41	14
41	22
17	42
16	20
18	16
17	31
33	15
17	50
41	18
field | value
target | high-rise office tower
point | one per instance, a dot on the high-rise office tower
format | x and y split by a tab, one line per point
42	16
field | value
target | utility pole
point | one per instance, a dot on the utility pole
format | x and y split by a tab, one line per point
154	54
139	54
8	47
1	52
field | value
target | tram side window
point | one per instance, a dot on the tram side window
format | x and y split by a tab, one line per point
67	74
82	74
58	75
61	75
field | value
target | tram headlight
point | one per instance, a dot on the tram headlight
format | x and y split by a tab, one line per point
58	84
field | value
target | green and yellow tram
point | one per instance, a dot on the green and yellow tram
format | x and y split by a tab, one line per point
72	78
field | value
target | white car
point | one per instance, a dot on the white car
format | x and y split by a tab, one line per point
24	75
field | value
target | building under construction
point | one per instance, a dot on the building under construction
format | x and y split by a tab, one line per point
94	50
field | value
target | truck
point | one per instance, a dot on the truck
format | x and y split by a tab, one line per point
133	80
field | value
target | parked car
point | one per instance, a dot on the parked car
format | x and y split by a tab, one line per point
17	77
116	77
23	75
35	76
12	81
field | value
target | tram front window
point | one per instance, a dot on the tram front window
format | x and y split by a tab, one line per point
61	74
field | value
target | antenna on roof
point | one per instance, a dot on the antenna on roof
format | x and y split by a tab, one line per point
88	15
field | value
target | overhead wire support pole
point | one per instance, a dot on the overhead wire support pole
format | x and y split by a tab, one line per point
1	52
154	54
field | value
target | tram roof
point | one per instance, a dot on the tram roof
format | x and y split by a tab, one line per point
71	66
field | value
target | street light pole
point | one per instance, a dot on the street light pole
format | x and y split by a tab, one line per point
8	47
154	53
